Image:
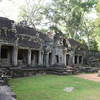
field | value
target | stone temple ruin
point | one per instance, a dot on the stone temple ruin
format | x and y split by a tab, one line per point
25	51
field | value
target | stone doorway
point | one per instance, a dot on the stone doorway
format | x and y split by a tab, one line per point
75	60
35	57
57	59
80	59
67	59
6	55
22	57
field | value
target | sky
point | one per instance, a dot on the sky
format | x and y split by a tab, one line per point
11	8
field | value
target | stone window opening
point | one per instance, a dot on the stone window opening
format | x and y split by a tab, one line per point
22	56
4	53
57	59
67	59
80	59
50	58
75	59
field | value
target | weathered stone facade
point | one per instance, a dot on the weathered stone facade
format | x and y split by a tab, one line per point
24	47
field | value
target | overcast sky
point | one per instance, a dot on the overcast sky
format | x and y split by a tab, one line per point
10	8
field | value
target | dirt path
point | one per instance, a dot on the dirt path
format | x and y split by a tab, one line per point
92	77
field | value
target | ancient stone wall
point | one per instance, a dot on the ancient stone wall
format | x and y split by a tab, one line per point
93	58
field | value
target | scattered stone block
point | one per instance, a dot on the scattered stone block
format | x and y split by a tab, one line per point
69	89
99	73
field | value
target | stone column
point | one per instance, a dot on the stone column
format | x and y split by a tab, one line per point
82	60
40	58
64	59
71	59
47	59
0	53
15	56
29	56
78	59
53	57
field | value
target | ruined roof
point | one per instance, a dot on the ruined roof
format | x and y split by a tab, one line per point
24	35
77	45
44	36
25	30
73	42
5	22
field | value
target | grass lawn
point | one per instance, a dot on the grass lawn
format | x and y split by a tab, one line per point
51	87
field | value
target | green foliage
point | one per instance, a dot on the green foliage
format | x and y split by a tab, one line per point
93	45
97	25
68	15
98	7
51	87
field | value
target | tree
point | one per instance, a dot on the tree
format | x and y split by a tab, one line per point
97	25
31	13
97	21
93	45
68	15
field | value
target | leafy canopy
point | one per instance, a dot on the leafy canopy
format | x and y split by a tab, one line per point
69	15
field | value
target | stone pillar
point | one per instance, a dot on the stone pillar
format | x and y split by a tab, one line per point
15	56
53	60
0	53
82	60
47	59
40	58
78	59
71	60
53	57
29	56
64	59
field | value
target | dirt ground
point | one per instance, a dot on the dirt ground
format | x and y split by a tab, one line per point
93	77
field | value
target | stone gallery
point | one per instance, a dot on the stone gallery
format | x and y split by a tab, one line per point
26	51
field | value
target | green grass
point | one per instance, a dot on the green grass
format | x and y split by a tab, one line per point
51	87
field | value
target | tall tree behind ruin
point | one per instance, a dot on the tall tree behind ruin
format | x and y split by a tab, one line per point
69	15
31	13
97	25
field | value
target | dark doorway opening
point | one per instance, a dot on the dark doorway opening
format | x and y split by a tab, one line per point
75	59
67	59
57	59
50	58
22	56
80	59
6	55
